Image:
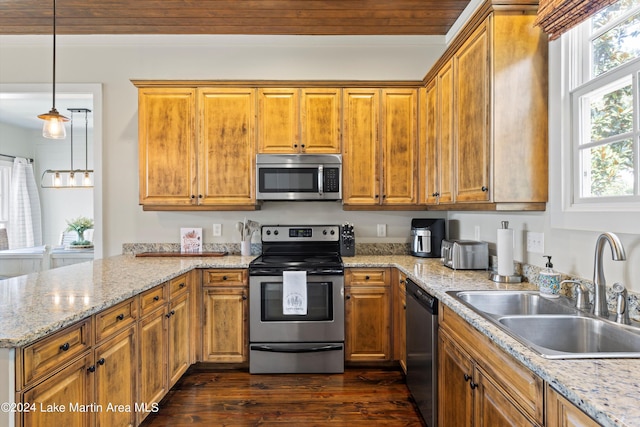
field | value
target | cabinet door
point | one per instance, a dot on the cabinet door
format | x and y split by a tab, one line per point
445	134
179	337
399	319
492	407
225	330
455	396
367	323
400	145
226	161
115	380
166	146
153	357
361	149
562	413
278	119
72	384
472	102
320	120
428	154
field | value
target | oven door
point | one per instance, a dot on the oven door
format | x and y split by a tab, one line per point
324	321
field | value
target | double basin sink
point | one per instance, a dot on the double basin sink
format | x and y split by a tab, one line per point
553	328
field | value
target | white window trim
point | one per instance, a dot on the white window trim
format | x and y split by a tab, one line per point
621	218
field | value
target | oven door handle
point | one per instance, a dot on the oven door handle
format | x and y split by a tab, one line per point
296	348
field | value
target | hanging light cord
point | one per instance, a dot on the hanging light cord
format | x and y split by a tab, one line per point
54	54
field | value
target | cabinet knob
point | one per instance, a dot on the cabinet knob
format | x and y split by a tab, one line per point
244	297
302	145
91	368
199	196
436	194
377	196
64	347
366	277
348	296
101	361
484	188
182	285
467	377
473	385
156	298
404	306
193	196
295	145
224	277
120	316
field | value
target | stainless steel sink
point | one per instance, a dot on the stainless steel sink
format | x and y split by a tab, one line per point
562	336
553	328
514	302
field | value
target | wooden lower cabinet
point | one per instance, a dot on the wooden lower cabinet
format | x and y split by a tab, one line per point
225	331
180	327
478	384
399	318
152	360
562	413
71	384
115	380
368	315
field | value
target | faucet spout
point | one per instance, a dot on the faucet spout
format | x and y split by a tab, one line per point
600	307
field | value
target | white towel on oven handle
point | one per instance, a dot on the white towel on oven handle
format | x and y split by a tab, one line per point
294	292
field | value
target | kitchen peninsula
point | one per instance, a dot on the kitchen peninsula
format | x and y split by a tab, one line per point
39	305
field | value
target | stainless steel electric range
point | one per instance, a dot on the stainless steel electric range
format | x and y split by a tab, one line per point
296	300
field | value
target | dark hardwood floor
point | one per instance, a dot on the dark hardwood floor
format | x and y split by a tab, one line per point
359	397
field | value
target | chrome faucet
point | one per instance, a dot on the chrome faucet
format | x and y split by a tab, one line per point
600	285
622	305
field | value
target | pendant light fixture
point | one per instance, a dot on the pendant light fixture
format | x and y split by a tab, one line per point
72	178
53	127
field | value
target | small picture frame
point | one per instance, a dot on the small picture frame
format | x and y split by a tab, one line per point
191	240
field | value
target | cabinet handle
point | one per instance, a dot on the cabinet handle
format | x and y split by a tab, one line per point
156	298
120	316
467	377
484	188
101	361
91	368
473	385
64	347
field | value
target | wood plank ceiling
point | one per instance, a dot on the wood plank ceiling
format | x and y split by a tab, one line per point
275	17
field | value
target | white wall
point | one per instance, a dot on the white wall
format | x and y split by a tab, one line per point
113	61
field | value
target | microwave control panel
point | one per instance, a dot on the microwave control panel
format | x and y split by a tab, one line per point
331	180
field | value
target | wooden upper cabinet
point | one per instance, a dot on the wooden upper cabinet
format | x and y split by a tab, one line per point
361	147
444	162
226	159
320	120
278	120
166	146
472	104
400	146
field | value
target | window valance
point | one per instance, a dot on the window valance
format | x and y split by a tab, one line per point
558	16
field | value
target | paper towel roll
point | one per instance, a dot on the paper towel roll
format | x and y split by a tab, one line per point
505	252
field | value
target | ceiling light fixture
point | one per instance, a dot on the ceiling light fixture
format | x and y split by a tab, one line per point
69	178
53	127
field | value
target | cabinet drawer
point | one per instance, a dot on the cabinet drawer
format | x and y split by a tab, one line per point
48	354
178	286
224	277
524	387
368	276
152	299
116	318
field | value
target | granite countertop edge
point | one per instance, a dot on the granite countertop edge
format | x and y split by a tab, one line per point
606	389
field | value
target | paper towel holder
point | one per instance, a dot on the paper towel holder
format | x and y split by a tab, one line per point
500	278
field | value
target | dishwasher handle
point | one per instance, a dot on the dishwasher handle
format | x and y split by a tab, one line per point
422	297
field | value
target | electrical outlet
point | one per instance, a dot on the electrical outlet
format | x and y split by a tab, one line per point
217	230
535	242
382	230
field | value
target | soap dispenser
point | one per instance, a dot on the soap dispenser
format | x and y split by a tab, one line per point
549	281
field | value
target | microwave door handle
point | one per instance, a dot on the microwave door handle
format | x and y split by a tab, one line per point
320	179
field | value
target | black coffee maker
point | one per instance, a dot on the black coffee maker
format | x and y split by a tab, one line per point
426	237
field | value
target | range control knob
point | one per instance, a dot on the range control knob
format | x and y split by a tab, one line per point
275	232
268	232
324	232
332	232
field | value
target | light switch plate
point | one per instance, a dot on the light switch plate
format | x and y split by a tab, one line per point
382	230
217	230
535	242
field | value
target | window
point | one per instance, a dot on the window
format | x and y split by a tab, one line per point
605	107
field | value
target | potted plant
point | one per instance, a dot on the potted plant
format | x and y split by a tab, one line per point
80	225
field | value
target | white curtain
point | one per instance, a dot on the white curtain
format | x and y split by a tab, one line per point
25	219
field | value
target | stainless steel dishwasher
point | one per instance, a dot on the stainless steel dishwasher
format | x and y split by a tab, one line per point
422	356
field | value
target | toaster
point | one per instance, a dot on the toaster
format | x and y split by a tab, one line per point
465	254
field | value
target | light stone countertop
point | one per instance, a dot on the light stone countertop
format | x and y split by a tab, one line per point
38	304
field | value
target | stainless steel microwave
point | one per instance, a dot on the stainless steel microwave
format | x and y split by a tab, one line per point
299	177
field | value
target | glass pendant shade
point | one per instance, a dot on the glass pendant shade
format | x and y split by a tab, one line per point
53	127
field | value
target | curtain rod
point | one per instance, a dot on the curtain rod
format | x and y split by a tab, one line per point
10	157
